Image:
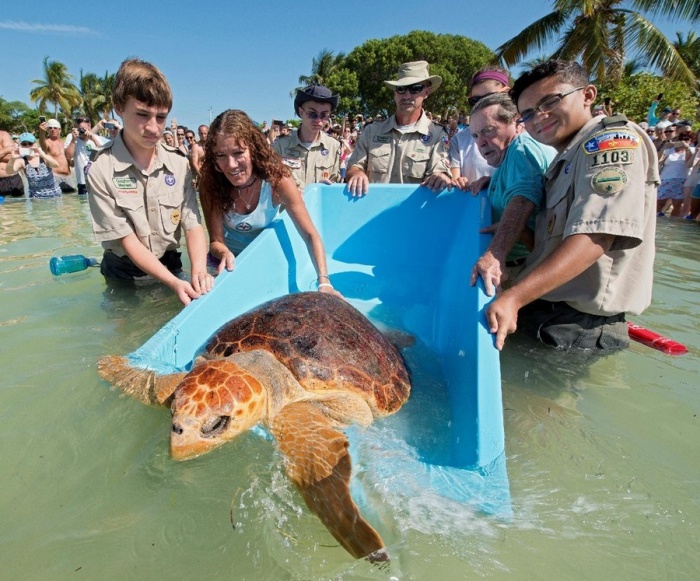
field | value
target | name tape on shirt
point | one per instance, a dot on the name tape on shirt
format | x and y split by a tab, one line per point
610	140
382	139
126	185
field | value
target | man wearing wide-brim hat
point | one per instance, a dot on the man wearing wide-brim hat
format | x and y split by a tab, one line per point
407	147
311	154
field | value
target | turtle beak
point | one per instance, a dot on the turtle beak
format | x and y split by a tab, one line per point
186	441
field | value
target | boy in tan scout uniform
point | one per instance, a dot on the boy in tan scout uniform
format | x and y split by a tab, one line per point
406	148
141	194
594	239
311	154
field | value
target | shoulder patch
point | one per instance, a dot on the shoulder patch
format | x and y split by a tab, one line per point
609	180
611	139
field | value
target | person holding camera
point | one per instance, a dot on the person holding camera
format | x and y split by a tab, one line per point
81	144
37	166
50	141
10	185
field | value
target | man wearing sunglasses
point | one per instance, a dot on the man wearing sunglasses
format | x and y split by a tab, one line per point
593	256
312	154
407	147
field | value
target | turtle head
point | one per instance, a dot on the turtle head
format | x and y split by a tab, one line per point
215	402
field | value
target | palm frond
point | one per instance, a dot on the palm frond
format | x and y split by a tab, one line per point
682	10
538	35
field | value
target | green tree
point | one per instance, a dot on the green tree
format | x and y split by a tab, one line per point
56	87
17	117
364	70
90	88
633	95
689	49
601	33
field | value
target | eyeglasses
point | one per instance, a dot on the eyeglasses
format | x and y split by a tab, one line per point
313	115
82	120
474	100
26	144
547	105
669	131
413	89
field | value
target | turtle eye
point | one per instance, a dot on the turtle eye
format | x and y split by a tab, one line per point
215	426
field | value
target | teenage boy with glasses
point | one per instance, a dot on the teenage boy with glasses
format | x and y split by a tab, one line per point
312	154
594	238
407	147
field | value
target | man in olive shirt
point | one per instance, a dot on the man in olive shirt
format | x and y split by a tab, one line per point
407	148
594	239
311	154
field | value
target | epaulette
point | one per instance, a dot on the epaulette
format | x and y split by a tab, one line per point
95	153
172	149
614	121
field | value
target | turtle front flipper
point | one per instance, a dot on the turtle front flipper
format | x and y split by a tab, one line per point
319	464
141	384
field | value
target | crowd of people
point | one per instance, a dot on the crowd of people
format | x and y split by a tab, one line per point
575	189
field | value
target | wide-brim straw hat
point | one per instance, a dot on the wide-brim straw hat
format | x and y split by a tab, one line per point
415	73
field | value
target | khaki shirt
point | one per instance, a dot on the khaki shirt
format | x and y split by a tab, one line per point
603	183
388	156
309	166
155	206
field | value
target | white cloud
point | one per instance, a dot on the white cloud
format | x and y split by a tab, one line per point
46	28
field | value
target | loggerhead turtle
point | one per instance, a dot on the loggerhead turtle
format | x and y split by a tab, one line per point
305	366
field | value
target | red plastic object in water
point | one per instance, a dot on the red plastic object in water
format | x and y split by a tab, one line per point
655	340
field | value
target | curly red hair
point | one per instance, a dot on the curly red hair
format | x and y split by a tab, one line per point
214	188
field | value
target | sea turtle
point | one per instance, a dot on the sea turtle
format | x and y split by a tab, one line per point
304	366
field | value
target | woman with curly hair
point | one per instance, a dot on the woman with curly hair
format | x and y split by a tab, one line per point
243	187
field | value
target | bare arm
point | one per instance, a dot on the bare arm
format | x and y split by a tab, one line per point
289	195
491	266
147	261
572	257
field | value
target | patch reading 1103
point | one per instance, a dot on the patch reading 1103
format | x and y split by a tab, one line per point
617	157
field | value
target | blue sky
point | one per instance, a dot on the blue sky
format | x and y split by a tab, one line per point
220	54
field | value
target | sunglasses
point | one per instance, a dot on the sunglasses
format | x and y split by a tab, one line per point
313	115
82	120
26	144
474	100
413	89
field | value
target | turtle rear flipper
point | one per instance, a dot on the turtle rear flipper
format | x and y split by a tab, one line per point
319	464
141	384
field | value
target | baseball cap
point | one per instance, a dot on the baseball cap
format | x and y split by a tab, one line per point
53	124
27	137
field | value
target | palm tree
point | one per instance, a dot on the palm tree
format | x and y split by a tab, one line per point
56	87
90	87
599	33
323	65
689	49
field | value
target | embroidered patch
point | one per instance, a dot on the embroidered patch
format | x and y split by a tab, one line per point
381	139
609	180
324	151
292	163
170	179
567	169
615	157
175	217
243	227
610	140
426	138
126	185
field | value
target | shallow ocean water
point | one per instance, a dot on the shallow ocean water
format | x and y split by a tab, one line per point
602	455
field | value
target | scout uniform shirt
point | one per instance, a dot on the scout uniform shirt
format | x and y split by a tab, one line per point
321	161
603	183
388	155
124	199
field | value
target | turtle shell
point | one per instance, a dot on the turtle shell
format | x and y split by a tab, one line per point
325	342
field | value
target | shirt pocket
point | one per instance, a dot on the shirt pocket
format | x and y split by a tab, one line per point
170	212
556	218
132	206
415	164
324	168
379	160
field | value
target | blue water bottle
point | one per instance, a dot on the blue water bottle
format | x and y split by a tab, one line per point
73	263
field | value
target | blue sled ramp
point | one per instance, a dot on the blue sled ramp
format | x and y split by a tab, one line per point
403	257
